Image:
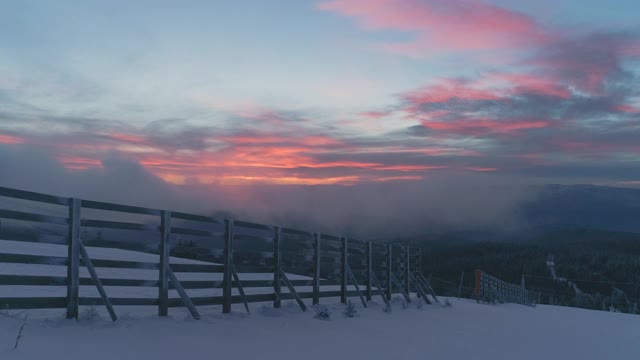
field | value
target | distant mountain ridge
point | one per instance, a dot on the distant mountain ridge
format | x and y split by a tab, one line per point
583	206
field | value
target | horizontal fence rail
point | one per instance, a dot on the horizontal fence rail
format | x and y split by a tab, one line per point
179	252
490	289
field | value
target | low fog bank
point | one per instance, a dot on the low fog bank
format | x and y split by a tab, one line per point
446	201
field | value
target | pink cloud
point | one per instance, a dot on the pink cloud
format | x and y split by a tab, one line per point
481	169
443	24
626	108
482	126
9	139
523	83
449	89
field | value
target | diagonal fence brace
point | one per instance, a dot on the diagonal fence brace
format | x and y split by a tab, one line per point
183	294
292	290
240	289
355	283
384	298
92	271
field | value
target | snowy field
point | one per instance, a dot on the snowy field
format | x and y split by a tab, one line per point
464	331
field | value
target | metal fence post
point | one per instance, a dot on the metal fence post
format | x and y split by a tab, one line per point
73	259
228	266
163	287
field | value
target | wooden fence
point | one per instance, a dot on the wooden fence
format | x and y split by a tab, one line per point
490	289
331	266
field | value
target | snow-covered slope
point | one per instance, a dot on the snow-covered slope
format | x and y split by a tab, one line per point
465	331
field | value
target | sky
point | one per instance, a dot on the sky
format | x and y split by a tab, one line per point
347	93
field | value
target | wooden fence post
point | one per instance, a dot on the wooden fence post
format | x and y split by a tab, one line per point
316	268
228	266
277	266
163	286
407	260
73	260
369	268
389	270
343	273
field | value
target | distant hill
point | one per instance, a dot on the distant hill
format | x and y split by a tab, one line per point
603	264
583	206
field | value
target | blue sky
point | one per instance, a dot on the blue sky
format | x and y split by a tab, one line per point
329	92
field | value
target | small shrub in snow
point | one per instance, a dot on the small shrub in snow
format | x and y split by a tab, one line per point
350	310
420	304
447	303
322	313
387	308
90	313
405	305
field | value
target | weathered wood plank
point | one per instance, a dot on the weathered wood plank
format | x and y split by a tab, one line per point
193	232
290	231
96	280
251	225
18	303
95	301
32	259
43	280
98	205
31	217
256	269
33	196
32	280
118	225
330	237
121	245
121	264
198	268
60	239
192	217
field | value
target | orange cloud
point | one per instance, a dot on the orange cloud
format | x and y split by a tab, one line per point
79	163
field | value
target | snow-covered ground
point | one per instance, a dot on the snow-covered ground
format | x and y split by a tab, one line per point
464	331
